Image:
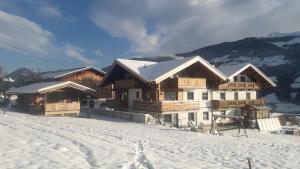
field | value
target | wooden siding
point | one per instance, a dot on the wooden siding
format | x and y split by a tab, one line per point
239	86
165	106
190	82
125	84
91	79
62	108
83	76
224	104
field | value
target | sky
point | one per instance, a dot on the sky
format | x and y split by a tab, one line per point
56	34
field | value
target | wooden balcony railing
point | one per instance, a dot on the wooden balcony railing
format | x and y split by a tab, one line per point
62	108
183	82
165	106
239	85
115	104
124	84
224	104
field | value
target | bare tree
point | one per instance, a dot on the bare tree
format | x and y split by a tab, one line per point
5	84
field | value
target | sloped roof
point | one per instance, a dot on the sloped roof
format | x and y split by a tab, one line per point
228	70
44	87
232	70
158	71
62	73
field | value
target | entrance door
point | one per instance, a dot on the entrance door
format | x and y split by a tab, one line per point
134	94
175	119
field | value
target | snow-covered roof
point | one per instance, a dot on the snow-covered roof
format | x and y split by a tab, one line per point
158	71
228	70
62	73
232	70
44	87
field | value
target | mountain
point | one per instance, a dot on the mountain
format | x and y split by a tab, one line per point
278	55
22	76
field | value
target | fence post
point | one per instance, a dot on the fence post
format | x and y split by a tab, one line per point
249	163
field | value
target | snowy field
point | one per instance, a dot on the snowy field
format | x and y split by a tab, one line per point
64	142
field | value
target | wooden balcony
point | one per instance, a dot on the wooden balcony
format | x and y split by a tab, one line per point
115	104
189	82
125	84
238	85
224	104
62	108
165	106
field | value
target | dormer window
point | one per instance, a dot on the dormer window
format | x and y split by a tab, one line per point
243	79
235	78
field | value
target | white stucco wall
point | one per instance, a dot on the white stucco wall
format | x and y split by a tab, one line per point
230	94
198	96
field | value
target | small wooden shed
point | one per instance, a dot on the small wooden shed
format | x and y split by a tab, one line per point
252	113
51	98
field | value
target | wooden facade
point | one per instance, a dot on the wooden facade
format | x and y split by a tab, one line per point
62	108
91	79
225	104
50	98
153	94
165	106
60	102
239	86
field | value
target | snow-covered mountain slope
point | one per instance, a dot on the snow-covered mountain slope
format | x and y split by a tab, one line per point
64	142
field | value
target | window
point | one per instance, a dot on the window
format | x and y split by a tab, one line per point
168	118
248	96
124	95
137	95
205	116
91	103
243	79
236	95
190	95
223	112
222	96
170	95
204	95
148	96
191	116
235	78
83	103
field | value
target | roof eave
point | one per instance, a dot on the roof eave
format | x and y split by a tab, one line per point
79	70
188	63
257	70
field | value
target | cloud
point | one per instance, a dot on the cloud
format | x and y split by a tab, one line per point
172	26
77	53
21	35
45	8
98	52
49	11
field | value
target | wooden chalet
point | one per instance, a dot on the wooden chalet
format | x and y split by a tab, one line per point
50	98
184	90
87	76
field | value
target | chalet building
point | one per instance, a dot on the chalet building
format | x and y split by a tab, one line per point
186	90
62	91
87	76
50	98
239	95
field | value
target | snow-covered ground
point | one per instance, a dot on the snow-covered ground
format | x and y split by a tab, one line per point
64	142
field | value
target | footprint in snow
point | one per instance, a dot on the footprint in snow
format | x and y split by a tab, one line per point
140	161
